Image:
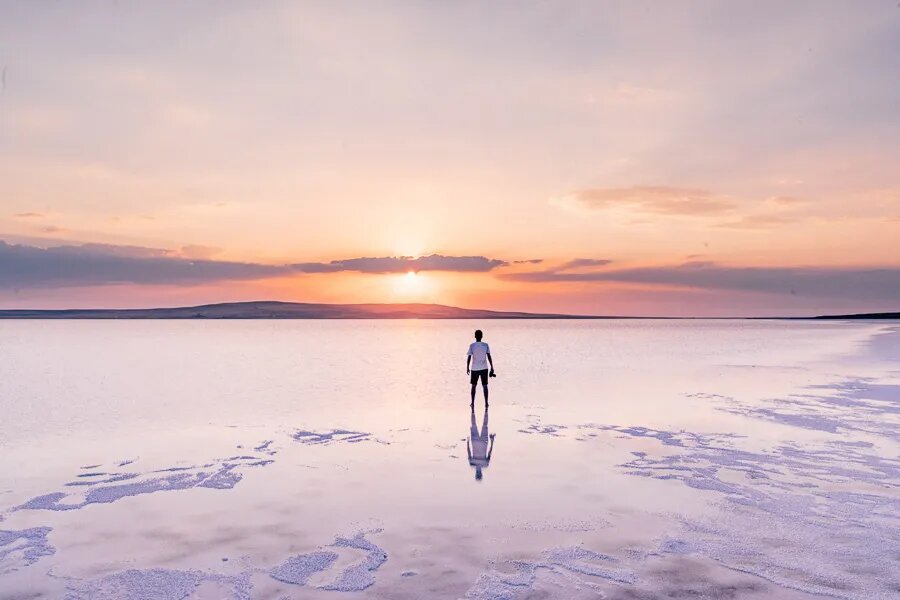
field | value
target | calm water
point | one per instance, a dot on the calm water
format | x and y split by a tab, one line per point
306	459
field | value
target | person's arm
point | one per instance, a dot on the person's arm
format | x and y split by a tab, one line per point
468	450
491	449
468	361
490	360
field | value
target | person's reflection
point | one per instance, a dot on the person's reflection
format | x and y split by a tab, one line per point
480	446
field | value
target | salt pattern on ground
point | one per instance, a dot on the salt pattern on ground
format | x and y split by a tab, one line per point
570	524
156	584
579	567
23	547
822	519
353	578
220	474
854	405
174	584
298	569
329	437
535	426
361	575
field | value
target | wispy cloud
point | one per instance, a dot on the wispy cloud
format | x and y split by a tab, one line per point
28	215
760	221
98	264
659	200
774	211
559	272
717	210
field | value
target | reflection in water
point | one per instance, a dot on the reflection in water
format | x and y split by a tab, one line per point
480	446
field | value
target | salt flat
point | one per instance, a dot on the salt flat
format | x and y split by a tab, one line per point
306	459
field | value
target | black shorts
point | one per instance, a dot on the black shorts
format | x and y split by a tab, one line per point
483	373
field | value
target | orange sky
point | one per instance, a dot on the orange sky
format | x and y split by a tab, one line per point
710	159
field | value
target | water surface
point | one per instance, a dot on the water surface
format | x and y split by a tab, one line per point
305	459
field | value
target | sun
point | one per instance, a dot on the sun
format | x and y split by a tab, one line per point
411	283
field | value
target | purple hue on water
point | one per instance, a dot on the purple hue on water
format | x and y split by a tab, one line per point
632	459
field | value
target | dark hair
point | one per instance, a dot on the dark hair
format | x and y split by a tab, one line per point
478	334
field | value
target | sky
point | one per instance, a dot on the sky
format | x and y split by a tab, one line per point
616	158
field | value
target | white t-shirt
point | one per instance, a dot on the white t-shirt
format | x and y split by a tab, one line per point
479	452
479	351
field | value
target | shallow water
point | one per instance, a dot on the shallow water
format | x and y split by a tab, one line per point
305	459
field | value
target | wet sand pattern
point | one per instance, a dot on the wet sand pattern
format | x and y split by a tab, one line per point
812	514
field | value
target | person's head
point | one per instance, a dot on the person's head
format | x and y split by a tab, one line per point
478	335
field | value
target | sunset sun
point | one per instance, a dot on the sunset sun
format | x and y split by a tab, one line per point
411	283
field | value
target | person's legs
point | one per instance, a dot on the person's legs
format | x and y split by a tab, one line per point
474	386
483	375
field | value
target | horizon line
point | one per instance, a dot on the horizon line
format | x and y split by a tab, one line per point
131	313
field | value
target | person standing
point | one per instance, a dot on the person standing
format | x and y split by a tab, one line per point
477	360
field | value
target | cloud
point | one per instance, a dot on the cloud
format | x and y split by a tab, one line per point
111	250
761	221
831	282
581	263
29	215
654	201
98	264
659	200
402	264
560	270
777	210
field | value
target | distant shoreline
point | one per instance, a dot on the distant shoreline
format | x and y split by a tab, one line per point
309	311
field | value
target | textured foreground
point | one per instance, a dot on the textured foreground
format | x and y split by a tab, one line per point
636	459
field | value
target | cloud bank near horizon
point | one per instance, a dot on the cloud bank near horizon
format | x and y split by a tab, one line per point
812	281
25	266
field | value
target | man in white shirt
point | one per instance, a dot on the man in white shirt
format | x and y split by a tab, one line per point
478	357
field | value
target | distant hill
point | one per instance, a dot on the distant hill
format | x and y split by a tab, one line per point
303	310
886	315
284	310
